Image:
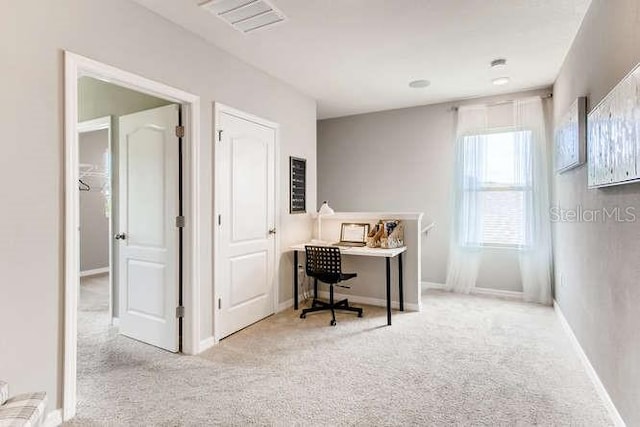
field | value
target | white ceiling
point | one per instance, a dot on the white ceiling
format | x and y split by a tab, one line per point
357	56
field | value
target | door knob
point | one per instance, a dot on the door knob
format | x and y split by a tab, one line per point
272	231
120	236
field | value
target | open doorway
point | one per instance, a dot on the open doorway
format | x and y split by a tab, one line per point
130	184
131	220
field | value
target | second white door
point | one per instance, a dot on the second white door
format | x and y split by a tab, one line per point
246	172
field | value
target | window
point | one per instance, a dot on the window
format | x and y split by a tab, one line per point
496	189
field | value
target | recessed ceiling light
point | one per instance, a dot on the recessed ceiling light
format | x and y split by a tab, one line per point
498	63
418	84
501	81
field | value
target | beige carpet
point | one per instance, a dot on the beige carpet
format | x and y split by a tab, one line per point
464	360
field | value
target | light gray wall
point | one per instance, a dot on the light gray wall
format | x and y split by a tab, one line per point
126	35
597	268
94	223
402	161
99	99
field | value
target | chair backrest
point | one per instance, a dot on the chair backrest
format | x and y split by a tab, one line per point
324	263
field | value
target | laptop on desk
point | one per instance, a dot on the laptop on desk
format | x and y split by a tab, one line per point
353	235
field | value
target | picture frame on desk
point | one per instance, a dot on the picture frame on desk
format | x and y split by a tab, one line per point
353	232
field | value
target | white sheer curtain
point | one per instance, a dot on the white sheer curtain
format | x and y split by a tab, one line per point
536	255
466	236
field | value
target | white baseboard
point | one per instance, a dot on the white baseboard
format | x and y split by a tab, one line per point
289	303
378	302
498	293
285	305
206	344
94	272
353	298
591	372
53	419
432	285
115	321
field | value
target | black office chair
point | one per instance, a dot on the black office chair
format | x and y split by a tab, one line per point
324	263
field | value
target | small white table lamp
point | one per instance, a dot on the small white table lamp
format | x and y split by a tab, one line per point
325	210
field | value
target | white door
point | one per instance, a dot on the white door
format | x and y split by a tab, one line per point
148	248
246	170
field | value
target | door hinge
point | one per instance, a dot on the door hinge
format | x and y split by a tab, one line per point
180	131
219	219
180	221
219	135
180	311
219	303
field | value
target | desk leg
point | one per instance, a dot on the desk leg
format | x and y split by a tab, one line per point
295	280
388	291
400	290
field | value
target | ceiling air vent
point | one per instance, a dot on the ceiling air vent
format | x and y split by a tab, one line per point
245	15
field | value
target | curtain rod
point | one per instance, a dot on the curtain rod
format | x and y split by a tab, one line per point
506	101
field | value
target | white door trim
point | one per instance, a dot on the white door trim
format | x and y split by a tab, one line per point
219	108
95	124
75	67
102	123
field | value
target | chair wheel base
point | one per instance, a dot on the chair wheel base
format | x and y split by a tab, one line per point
342	305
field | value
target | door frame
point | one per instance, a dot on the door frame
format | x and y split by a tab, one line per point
76	66
219	108
102	123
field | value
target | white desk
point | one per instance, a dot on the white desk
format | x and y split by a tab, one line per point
361	251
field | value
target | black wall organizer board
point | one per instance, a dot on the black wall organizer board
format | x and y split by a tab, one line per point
298	185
